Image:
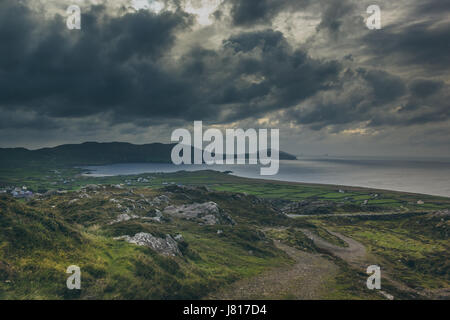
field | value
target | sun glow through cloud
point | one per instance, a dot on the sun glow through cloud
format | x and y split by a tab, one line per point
202	9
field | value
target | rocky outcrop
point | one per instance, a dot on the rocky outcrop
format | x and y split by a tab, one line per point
153	215
205	213
124	217
167	246
91	187
441	213
162	199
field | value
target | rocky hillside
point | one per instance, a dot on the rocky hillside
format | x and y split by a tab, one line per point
131	244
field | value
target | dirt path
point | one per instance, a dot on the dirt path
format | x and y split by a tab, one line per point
303	280
355	253
307	277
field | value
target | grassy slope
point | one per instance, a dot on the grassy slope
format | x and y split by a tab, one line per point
38	244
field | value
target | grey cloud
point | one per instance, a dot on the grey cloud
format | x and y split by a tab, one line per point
112	62
250	12
386	87
16	120
284	76
115	65
428	102
424	88
334	14
362	94
432	7
423	44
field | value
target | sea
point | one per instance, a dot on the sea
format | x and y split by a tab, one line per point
418	176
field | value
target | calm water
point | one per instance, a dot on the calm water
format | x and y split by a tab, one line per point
428	177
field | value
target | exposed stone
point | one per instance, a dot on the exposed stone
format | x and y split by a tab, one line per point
179	237
167	246
91	187
160	200
210	219
157	219
207	213
441	213
84	195
73	201
124	217
154	213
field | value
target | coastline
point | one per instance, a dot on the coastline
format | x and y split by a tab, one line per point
90	172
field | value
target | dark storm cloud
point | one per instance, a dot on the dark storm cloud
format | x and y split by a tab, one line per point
257	72
428	101
17	120
386	87
377	99
423	88
118	67
362	95
424	44
414	113
250	12
111	62
433	7
334	14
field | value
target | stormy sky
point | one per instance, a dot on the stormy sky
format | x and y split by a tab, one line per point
139	69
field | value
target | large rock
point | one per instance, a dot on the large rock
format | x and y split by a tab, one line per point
153	215
167	246
91	187
124	217
160	200
441	213
206	213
